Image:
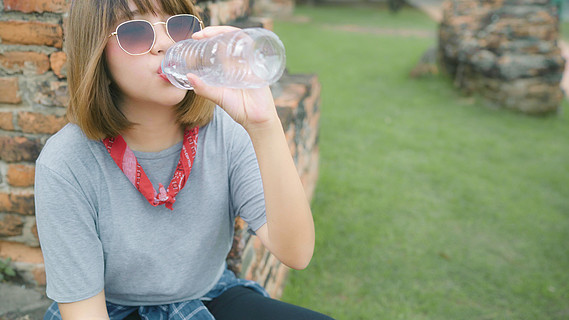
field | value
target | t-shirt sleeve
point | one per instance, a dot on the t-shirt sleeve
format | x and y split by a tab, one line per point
247	194
67	229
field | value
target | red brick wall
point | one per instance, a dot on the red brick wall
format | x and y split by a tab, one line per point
32	105
33	98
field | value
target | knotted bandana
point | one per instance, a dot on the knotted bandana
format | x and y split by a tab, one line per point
126	160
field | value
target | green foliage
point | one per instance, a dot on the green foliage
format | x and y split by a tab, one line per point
429	204
6	270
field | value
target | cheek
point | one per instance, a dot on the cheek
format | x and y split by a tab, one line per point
123	68
116	61
134	77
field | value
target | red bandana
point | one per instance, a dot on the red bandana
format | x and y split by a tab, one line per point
126	160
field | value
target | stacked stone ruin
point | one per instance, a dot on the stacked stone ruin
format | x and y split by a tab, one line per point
504	50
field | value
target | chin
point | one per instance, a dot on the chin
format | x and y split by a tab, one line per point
173	96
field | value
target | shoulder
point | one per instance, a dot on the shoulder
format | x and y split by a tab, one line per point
66	146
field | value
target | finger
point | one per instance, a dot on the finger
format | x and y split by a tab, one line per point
202	89
212	31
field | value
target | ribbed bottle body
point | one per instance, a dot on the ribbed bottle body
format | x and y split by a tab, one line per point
247	58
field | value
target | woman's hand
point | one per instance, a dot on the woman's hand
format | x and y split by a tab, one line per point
249	107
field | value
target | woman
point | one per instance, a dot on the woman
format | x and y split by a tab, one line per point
137	196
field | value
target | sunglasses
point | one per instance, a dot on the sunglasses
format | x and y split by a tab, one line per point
137	37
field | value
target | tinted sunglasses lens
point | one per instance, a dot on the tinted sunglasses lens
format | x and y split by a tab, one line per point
182	27
135	36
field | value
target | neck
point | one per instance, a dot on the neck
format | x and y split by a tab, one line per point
155	128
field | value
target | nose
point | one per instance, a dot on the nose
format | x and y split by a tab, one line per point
163	41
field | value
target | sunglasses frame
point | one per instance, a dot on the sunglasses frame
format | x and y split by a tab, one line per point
165	23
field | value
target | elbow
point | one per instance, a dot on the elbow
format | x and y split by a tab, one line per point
299	265
294	252
300	261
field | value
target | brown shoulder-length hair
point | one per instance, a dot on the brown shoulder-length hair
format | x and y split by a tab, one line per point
93	98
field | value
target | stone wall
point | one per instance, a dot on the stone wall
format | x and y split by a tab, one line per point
273	8
33	100
504	50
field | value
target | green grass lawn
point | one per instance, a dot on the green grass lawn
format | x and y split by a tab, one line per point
564	30
429	205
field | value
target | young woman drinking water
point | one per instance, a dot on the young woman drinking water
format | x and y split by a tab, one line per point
136	197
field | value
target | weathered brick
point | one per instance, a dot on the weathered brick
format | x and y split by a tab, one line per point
65	23
289	135
14	149
311	139
280	279
20	175
39	275
273	8
20	252
27	6
18	61
9	90
6	121
291	95
35	231
286	116
312	101
309	177
520	43
4	200
11	225
32	122
57	61
31	32
52	93
224	12
22	203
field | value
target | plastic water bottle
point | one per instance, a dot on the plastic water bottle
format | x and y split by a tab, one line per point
246	58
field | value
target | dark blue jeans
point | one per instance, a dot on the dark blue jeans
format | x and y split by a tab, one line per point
243	303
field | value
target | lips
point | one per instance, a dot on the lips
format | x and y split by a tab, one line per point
162	75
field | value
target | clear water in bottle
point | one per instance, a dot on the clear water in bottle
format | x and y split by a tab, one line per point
247	58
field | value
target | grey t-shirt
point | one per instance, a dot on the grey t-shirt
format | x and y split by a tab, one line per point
98	232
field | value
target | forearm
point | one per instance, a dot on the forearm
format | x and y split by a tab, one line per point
290	225
94	308
289	232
